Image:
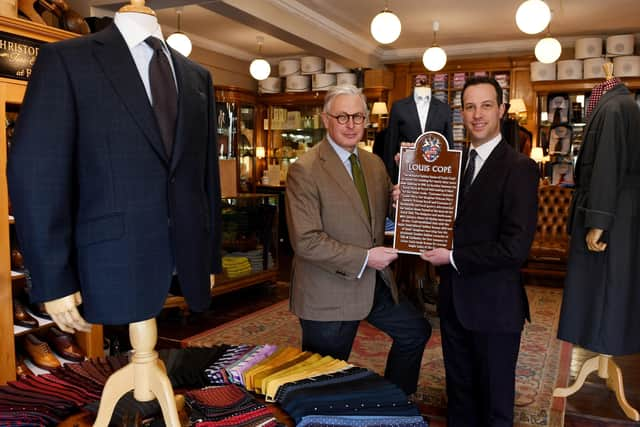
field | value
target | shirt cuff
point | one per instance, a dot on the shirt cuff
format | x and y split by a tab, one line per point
366	260
452	261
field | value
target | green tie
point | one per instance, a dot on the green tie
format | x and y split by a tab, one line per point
358	179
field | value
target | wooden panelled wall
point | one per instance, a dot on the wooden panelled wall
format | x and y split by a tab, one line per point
520	83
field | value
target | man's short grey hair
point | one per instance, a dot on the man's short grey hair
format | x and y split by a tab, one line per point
344	90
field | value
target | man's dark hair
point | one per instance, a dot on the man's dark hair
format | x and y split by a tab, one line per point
472	81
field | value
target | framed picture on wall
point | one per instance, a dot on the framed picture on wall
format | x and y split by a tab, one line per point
560	140
562	173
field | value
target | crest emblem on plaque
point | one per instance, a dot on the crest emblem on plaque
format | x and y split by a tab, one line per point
431	148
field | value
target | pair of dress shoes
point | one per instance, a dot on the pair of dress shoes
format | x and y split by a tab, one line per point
21	316
42	352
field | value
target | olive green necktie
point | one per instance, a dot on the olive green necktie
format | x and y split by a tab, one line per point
358	179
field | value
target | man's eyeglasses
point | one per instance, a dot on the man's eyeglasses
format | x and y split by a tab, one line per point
343	119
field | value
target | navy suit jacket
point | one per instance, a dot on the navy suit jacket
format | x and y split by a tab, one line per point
99	206
404	126
493	232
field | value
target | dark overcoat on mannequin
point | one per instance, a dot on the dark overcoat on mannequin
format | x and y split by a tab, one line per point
601	293
404	126
100	207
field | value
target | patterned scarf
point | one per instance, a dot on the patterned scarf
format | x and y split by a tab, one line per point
598	91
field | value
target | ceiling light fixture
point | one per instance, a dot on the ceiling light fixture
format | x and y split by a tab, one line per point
548	49
385	26
434	58
179	40
533	16
259	68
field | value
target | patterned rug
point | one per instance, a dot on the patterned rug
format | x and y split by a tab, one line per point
543	363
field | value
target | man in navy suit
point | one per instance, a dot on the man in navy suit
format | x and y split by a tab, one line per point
105	212
482	301
412	116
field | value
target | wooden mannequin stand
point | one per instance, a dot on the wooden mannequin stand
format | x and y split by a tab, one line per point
607	369
146	375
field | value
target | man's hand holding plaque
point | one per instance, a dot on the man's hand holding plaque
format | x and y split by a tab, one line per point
429	177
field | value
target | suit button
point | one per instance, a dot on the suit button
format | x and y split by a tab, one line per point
173	180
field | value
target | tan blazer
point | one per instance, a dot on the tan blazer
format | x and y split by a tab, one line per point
330	234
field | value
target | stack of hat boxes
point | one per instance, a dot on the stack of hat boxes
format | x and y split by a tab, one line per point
589	58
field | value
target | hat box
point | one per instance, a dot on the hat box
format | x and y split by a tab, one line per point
322	81
333	67
626	66
269	85
347	79
311	64
297	84
569	69
289	67
540	71
620	45
590	47
592	68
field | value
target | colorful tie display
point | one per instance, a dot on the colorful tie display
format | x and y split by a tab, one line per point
358	180
163	93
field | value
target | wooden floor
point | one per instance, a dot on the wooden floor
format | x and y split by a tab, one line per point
593	405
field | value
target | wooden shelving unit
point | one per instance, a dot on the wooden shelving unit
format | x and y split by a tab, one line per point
11	94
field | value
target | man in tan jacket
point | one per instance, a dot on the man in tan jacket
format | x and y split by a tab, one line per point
337	200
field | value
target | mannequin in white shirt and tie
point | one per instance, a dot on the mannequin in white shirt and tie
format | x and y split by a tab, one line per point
412	116
107	218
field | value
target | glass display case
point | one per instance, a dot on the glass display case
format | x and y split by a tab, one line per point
291	132
236	112
249	242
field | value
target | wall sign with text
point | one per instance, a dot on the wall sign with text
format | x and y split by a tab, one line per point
17	55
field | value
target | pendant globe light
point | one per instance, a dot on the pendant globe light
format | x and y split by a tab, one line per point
434	58
179	40
548	50
533	16
259	68
385	26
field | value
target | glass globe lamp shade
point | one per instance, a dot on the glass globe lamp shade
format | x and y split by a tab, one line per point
548	50
434	58
180	42
386	27
259	69
533	16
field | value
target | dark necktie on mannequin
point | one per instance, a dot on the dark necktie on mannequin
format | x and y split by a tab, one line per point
469	172
358	180
163	93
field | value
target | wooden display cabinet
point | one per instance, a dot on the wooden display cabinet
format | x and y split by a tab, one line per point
11	94
562	157
236	139
446	85
292	124
249	242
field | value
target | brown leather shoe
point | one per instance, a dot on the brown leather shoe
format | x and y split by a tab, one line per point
22	370
40	353
21	317
64	345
